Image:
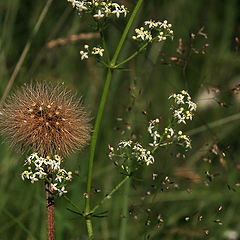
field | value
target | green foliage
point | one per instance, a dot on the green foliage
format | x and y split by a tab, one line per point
193	192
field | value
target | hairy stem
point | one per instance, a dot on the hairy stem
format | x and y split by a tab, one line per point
50	211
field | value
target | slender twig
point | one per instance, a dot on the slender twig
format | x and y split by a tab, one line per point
123	227
25	51
104	45
109	195
73	204
133	55
126	30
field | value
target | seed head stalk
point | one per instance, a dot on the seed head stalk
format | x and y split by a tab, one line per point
50	211
49	121
99	116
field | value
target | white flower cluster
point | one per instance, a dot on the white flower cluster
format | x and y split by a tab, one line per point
184	140
169	136
99	8
95	51
128	150
154	30
131	150
39	168
183	106
153	131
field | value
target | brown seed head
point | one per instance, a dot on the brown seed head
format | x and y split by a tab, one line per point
47	119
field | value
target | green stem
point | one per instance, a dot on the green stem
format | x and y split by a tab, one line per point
123	228
132	56
94	138
99	116
110	194
73	204
126	30
104	45
89	228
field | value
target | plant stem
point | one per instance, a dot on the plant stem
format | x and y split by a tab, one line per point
92	150
99	115
50	211
73	204
133	55
123	228
104	46
110	194
95	135
126	30
89	228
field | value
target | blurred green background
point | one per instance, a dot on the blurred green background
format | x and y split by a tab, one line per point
201	200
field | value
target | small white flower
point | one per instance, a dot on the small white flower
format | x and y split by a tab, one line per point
117	12
124	11
180	99
164	24
182	119
124	144
80	6
151	23
33	178
38	163
41	174
34	155
150	160
171	131
115	5
178	113
161	38
69	175
99	15
107	11
97	51
59	178
84	55
192	105
54	187
26	174
62	191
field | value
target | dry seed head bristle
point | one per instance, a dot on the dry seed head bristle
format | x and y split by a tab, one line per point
46	119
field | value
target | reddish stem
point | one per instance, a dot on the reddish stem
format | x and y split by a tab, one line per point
50	212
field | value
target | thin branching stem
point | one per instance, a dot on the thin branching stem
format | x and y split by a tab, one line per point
126	30
108	196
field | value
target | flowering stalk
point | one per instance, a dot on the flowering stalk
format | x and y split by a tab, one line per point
130	156
55	179
101	10
99	115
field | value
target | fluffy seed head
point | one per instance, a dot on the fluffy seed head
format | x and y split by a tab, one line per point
46	119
